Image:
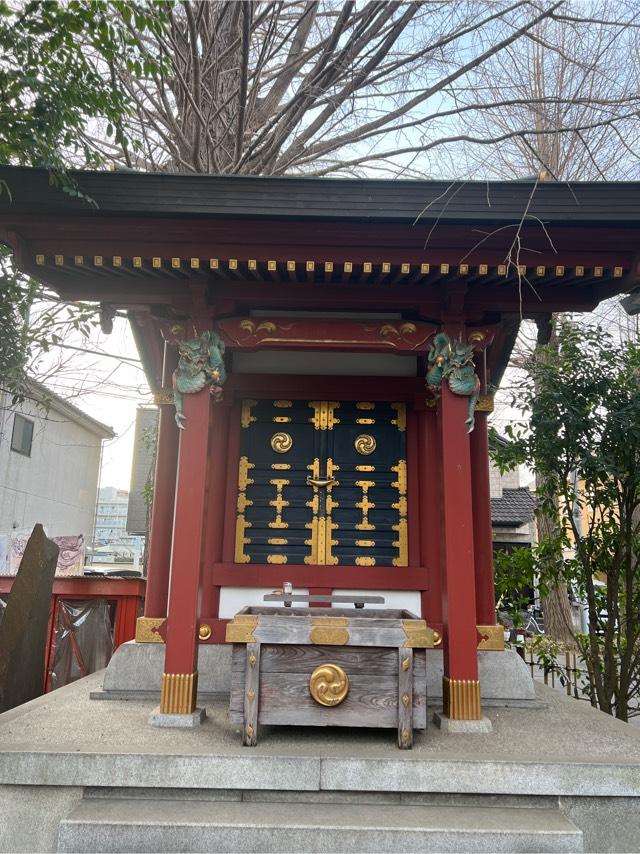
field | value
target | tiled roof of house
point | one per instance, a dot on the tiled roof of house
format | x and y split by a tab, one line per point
515	508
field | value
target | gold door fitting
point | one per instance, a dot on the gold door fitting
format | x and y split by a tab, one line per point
320	481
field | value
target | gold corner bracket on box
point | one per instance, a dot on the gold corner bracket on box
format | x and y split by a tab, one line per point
178	693
461	699
419	635
491	638
241	629
148	629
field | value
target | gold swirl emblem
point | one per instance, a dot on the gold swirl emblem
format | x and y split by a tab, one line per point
281	442
365	444
329	685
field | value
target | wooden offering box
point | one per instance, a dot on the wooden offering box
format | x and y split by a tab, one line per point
308	666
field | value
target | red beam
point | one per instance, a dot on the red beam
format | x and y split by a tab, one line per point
337	577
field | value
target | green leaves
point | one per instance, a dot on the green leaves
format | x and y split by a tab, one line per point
55	76
54	82
582	438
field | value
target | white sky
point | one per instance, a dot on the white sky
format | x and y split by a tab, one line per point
108	389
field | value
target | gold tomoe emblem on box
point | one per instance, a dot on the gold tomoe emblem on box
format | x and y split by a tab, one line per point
365	444
329	685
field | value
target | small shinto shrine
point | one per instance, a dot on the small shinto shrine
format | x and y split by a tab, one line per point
324	355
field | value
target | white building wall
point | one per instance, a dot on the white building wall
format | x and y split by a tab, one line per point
57	484
498	482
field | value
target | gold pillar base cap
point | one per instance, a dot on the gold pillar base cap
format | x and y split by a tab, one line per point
461	699
178	693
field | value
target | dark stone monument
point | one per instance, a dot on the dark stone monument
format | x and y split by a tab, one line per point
23	631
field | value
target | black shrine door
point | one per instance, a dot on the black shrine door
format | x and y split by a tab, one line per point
322	482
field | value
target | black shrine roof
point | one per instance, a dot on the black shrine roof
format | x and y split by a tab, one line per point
338	199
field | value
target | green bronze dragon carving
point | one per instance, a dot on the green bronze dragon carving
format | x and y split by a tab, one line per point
200	364
453	361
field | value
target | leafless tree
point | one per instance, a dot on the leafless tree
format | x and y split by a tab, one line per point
324	87
566	77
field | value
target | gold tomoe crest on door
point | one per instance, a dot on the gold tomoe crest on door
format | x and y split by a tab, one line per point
365	444
281	442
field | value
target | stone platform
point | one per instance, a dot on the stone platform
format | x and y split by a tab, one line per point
135	671
78	775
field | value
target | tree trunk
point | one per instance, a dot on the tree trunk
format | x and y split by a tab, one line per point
558	622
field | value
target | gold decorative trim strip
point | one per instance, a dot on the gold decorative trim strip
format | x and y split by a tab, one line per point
401	418
329	636
246	418
461	699
241	629
147	629
178	693
491	638
312	267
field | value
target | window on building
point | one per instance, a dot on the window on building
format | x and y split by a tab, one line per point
22	435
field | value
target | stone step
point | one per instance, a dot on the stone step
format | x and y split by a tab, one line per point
144	825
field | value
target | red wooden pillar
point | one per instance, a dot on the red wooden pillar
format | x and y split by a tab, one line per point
164	492
482	533
180	678
215	514
155	603
430	515
461	687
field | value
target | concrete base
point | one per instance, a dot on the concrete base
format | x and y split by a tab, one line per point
135	671
446	724
549	779
161	719
201	826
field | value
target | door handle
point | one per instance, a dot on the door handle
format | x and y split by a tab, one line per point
320	481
